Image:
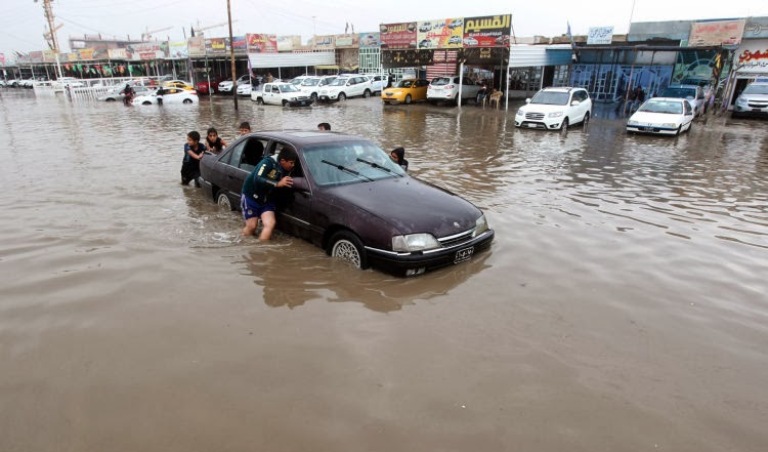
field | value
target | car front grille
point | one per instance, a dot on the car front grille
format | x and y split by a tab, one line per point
534	116
456	239
757	104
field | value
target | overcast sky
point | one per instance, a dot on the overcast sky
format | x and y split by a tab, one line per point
22	22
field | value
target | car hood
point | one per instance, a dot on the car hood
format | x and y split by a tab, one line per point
543	108
656	118
754	96
411	206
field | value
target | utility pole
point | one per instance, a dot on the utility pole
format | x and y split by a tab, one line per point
232	55
50	35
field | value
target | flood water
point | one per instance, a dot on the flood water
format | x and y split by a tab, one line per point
622	306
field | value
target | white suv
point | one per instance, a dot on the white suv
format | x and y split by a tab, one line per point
280	93
555	108
311	86
447	89
753	101
346	86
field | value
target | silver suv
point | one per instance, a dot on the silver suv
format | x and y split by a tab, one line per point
753	101
555	109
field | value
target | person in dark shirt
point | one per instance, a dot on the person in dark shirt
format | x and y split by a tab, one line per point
258	198
214	141
398	156
193	153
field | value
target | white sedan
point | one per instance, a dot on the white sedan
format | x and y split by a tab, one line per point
662	116
244	90
170	96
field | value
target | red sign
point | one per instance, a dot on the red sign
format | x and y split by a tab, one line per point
487	31
398	36
262	43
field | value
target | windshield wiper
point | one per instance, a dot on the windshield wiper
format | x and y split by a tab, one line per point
375	165
345	169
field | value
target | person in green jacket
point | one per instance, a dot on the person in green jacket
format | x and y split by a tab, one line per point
257	200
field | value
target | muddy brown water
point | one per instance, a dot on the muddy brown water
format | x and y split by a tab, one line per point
622	306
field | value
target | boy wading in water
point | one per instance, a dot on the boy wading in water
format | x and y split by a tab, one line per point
258	195
193	153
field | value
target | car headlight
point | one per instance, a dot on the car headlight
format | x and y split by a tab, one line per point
669	125
740	101
481	225
414	242
555	114
520	112
633	123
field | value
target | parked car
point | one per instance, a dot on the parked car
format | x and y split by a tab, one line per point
555	109
378	82
406	91
753	101
341	201
281	93
446	89
694	94
662	116
346	86
178	84
225	86
311	86
118	93
245	89
72	82
171	96
205	87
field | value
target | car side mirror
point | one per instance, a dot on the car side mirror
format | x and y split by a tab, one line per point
300	184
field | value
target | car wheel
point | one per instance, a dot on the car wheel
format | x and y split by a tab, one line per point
223	201
342	97
346	246
313	96
146	102
187	101
366	94
585	121
259	101
110	100
408	99
564	125
285	103
679	129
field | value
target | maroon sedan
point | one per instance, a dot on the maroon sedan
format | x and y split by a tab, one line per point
204	87
355	203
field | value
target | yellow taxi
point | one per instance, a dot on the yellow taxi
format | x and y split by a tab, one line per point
178	84
405	92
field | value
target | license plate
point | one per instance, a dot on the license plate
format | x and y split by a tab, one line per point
463	255
757	110
531	125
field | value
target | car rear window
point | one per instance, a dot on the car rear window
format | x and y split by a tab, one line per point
441	81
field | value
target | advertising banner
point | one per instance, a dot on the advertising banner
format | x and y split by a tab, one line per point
36	56
406	58
262	43
326	42
487	31
715	33
369	40
240	44
756	27
442	33
288	43
752	57
178	50
398	36
196	46
49	56
600	35
144	51
217	46
85	54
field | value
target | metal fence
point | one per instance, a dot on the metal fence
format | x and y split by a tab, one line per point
86	90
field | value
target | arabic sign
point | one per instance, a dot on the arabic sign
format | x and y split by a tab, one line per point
347	41
600	35
323	41
240	44
262	43
85	54
146	51
715	33
443	33
752	57
398	36
288	43
487	31
118	54
217	46
406	58
756	27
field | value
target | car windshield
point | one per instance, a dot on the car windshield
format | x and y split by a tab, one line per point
441	81
550	98
349	162
338	82
297	81
310	82
289	88
405	83
756	89
661	106
682	93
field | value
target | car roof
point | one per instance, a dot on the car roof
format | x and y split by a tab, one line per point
303	138
667	99
561	89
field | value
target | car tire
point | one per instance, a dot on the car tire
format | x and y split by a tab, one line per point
110	100
408	99
346	246
146	102
342	97
285	103
564	124
187	101
585	121
259	101
223	201
366	94
313	96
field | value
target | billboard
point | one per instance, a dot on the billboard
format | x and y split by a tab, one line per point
178	50
288	43
326	42
752	57
716	33
217	46
347	41
369	40
442	33
487	31
261	43
398	36
600	35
